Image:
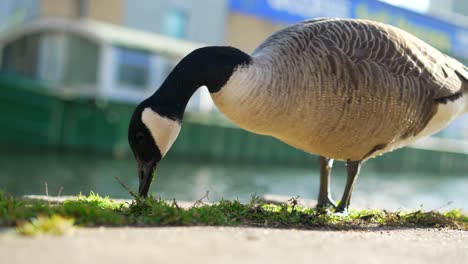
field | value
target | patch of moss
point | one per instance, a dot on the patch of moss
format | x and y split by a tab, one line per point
54	225
94	210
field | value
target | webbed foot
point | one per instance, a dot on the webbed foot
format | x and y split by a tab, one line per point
341	210
324	204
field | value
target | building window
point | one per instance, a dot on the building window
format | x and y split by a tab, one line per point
175	23
82	6
53	57
81	61
133	68
21	56
68	59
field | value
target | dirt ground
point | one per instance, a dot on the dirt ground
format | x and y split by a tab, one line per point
236	245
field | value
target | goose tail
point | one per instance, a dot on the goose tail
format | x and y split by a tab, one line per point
462	72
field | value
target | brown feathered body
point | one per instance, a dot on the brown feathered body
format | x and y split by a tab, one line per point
345	89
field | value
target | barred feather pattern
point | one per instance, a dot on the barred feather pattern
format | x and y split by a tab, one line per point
343	89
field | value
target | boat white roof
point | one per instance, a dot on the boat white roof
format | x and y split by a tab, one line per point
106	34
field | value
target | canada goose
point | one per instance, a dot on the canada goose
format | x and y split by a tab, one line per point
344	89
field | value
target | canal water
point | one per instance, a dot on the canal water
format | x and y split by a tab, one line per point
24	172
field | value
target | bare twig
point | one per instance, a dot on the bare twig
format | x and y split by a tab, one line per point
126	188
442	206
174	203
60	191
46	189
199	201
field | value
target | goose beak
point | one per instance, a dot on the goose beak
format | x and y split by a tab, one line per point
145	173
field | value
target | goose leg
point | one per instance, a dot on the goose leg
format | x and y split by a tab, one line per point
324	199
352	168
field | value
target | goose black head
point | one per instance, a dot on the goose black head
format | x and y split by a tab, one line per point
156	121
150	136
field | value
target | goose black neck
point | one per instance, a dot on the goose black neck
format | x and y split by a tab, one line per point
208	66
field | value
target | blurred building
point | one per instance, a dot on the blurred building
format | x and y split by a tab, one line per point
16	12
448	7
262	17
200	21
243	23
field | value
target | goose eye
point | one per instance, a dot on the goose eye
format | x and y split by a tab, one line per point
140	137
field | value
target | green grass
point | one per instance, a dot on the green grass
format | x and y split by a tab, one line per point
31	217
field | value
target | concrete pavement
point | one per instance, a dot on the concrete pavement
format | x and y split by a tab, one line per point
236	245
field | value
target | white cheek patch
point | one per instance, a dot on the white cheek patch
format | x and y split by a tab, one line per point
163	129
